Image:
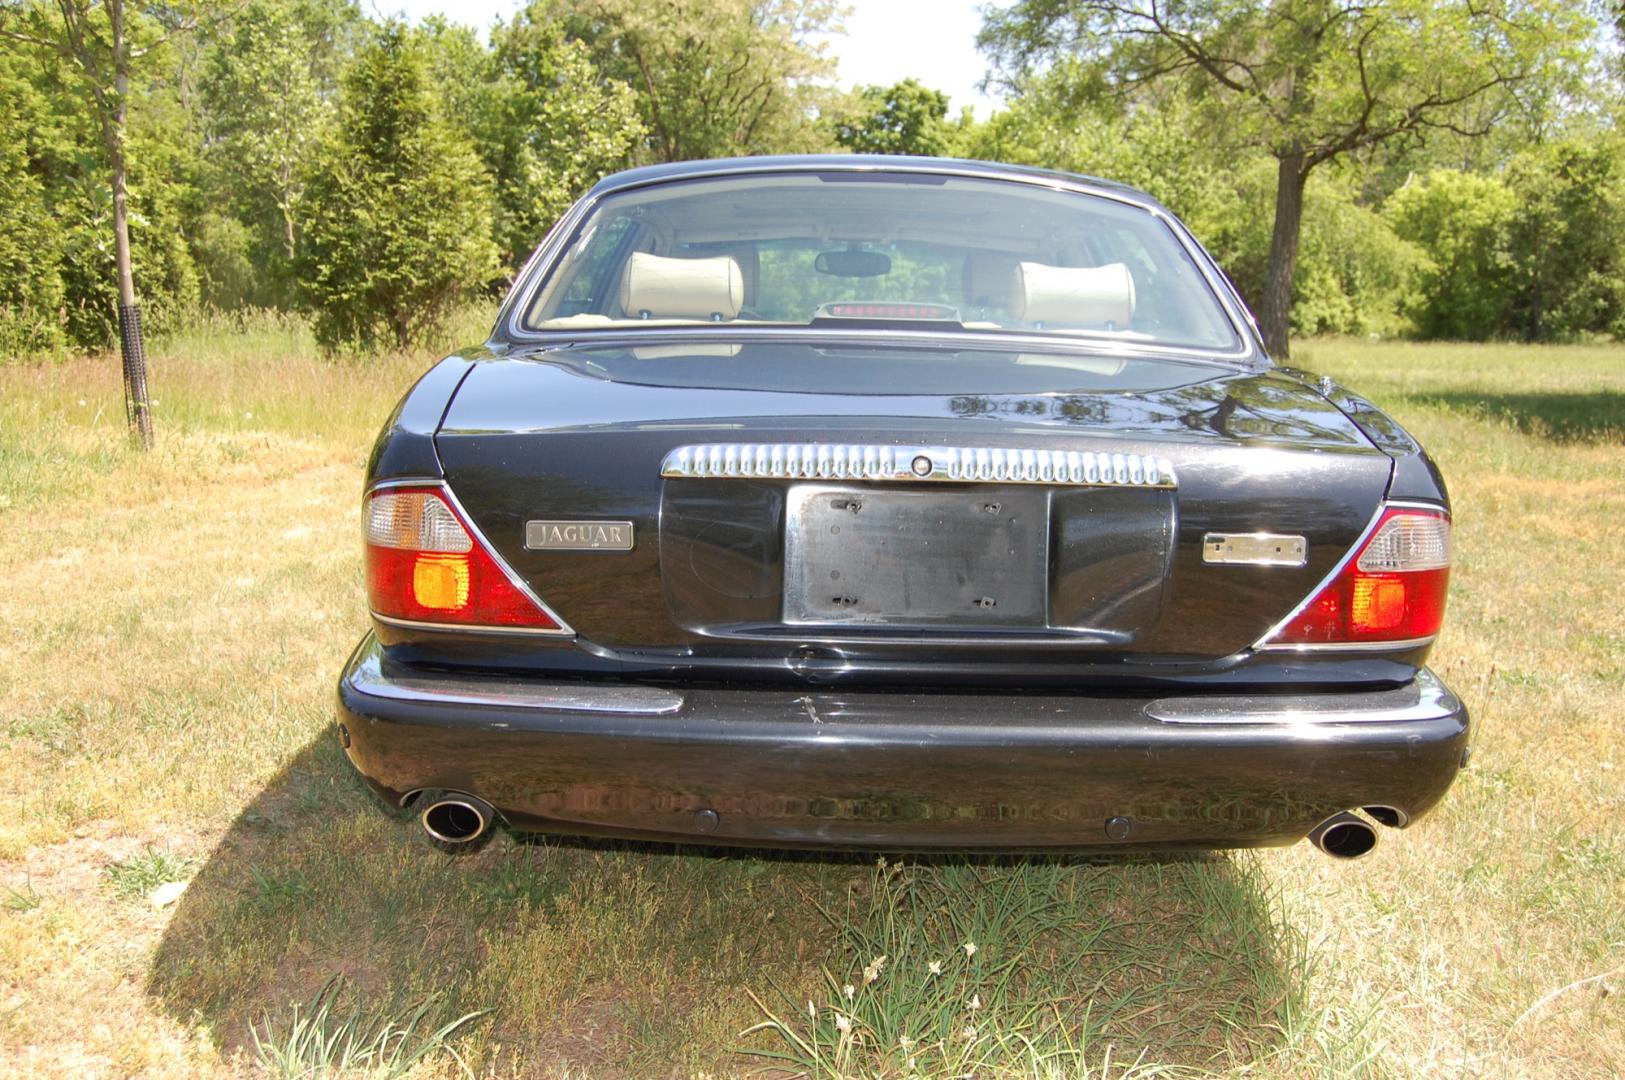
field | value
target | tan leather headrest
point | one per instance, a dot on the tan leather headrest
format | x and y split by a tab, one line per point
1072	295
682	288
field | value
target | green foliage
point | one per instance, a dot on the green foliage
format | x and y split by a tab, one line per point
30	284
1568	276
138	875
67	153
553	127
1534	252
399	230
1461	221
267	84
1354	271
714	78
904	118
1464	183
163	177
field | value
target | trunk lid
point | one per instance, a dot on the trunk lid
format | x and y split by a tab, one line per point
1060	511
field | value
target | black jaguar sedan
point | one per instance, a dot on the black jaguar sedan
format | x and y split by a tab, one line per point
895	503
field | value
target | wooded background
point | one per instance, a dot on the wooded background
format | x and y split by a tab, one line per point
1430	168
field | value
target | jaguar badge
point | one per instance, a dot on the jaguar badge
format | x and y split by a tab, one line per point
578	535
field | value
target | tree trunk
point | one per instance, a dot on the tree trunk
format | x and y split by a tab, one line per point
137	408
1275	312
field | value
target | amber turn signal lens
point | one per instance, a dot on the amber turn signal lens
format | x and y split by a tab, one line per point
441	581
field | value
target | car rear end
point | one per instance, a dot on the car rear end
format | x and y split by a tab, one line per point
918	565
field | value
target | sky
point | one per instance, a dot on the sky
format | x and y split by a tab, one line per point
885	40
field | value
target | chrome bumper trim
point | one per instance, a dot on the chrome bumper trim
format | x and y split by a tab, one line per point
1426	698
619	699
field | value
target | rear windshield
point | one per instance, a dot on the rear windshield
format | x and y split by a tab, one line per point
879	249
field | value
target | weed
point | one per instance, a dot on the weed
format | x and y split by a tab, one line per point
138	875
273	890
316	1040
23	899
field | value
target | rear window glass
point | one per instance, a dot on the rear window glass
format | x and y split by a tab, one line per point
865	249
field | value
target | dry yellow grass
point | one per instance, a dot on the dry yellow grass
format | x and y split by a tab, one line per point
170	627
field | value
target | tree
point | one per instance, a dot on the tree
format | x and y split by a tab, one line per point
1564	240
553	127
904	118
267	86
399	225
1461	221
30	281
101	42
1309	81
714	78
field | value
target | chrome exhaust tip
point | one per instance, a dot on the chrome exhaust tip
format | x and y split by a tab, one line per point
1344	836
457	819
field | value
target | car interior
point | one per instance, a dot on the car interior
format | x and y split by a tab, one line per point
795	250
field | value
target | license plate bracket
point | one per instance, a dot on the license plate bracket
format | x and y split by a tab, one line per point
971	556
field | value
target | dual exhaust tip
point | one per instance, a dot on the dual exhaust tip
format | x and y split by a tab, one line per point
1353	834
455	818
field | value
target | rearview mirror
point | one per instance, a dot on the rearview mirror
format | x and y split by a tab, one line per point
852	263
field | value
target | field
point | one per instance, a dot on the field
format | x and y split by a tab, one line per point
171	626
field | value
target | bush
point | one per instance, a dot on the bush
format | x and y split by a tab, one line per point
1565	240
399	231
1461	222
30	287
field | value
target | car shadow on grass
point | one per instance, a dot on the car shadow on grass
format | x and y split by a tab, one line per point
1596	416
611	958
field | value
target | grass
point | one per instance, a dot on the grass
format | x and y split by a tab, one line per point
170	626
318	1040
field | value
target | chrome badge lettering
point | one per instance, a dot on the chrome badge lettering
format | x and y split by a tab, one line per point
578	535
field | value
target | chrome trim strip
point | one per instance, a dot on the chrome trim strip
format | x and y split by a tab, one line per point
621	699
564	629
918	464
1349	646
1359	542
1424	699
470	628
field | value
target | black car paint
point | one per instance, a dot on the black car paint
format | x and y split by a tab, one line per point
905	769
475	418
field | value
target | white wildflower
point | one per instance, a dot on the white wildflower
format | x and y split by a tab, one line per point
849	990
812	1010
975	1002
970	949
842	1024
969	1034
905	1043
872	972
934	967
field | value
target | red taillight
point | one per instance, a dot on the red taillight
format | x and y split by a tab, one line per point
425	565
1392	590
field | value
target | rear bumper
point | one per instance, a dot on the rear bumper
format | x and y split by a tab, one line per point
900	770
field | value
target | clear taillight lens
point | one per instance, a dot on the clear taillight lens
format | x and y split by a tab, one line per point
424	565
1393	590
